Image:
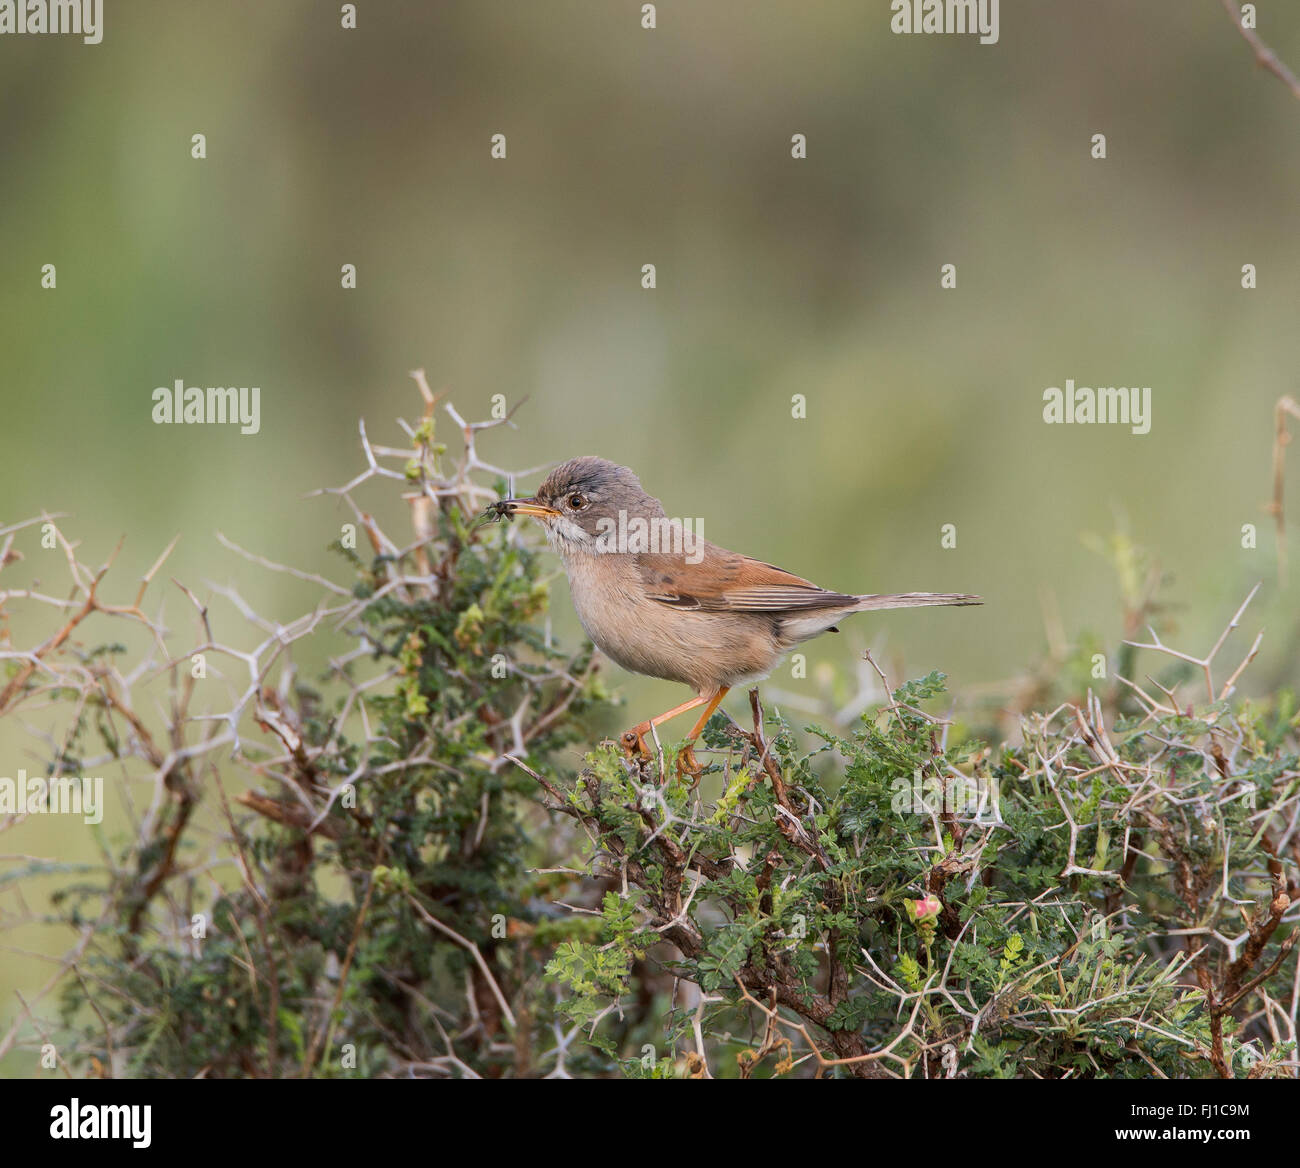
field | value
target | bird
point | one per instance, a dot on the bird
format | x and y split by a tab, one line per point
691	612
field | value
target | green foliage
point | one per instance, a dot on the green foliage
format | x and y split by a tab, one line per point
327	960
1074	881
431	888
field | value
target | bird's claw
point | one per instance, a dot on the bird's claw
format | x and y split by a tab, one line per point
688	764
634	744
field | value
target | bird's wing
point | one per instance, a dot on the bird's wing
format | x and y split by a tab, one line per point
725	581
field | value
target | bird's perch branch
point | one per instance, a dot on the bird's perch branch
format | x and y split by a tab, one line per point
1265	58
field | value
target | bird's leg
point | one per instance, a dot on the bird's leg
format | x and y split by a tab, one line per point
686	762
633	741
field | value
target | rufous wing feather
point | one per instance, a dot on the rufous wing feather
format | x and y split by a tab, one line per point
726	581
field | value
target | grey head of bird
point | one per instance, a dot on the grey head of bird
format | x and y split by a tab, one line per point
584	499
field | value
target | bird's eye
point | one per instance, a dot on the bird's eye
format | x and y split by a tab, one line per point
577	500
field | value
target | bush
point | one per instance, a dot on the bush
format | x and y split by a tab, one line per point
393	871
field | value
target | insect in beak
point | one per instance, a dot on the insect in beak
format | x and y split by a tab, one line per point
531	506
494	513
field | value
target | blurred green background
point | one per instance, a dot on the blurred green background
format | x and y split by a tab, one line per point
775	277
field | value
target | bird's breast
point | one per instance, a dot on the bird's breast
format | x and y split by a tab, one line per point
700	649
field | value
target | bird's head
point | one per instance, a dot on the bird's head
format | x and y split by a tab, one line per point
581	499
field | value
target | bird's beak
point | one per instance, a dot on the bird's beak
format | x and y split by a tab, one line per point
529	506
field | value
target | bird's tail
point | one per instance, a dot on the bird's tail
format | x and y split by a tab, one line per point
913	600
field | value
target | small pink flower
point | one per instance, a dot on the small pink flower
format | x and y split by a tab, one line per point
927	908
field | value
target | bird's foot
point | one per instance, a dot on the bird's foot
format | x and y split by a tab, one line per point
688	764
633	741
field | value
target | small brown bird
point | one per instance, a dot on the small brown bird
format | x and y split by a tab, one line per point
660	600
